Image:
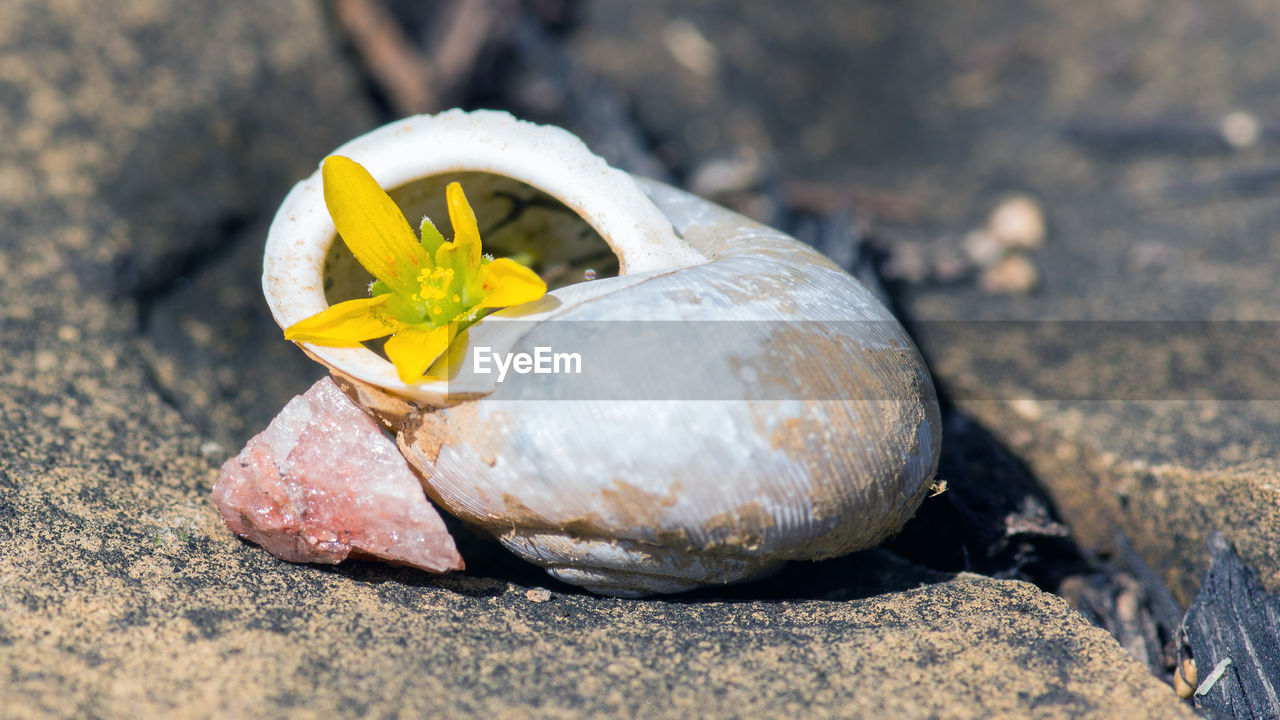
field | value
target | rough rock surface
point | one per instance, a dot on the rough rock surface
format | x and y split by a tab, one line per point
1117	118
134	342
323	482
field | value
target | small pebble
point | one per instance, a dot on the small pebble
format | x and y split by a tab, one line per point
723	175
538	595
45	361
691	48
906	262
1184	679
982	248
1014	275
1026	408
1151	255
1021	438
948	265
1240	129
1018	223
199	332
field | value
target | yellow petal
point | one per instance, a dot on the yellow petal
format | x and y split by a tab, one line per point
345	324
371	225
466	234
412	350
448	364
507	282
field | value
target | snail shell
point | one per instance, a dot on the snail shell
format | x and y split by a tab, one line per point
637	493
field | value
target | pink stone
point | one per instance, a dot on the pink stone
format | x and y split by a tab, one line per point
323	482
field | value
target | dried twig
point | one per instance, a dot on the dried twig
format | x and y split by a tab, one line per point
467	28
1213	678
1169	135
413	79
827	198
403	73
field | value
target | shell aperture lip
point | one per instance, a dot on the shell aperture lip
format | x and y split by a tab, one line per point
427	290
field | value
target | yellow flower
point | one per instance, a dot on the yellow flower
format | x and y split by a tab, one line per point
426	290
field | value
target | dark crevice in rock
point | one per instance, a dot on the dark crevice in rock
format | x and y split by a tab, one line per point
176	268
183	190
196	195
1164	607
993	518
163	390
997	518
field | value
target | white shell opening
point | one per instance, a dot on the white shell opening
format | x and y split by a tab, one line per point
544	157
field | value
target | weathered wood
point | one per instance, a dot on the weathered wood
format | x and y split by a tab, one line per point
1234	618
402	72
